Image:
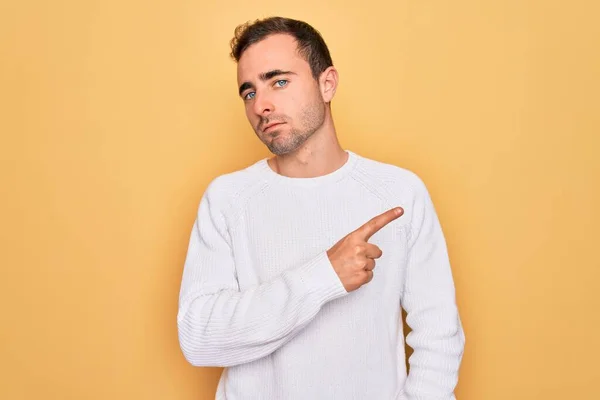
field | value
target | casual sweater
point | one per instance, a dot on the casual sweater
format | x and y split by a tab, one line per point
260	297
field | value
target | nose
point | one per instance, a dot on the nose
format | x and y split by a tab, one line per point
263	105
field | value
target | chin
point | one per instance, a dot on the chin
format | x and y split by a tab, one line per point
279	150
282	150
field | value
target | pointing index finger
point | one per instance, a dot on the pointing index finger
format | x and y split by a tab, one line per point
372	226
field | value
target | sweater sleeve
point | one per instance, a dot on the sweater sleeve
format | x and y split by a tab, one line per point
219	324
437	336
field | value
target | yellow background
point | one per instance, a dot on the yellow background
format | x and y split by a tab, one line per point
115	115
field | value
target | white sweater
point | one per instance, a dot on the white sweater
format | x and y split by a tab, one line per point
260	297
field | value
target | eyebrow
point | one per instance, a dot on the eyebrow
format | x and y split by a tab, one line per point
265	76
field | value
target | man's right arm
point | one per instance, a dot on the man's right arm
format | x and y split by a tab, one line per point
221	325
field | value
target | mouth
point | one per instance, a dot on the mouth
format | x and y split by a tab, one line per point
272	125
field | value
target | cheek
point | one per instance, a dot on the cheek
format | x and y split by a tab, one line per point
290	104
299	103
282	101
252	118
299	100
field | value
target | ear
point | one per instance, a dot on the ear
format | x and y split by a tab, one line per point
328	82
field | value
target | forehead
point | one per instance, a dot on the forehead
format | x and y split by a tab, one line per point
277	51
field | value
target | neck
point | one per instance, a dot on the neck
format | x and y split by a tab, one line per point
320	155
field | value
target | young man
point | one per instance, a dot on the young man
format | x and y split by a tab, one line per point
279	283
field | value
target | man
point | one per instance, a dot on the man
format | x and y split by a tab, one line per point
279	283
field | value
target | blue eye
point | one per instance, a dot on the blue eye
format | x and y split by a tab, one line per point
281	82
249	95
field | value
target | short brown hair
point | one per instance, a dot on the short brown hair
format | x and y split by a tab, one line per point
311	45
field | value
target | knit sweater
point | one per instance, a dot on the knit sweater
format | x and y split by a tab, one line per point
260	297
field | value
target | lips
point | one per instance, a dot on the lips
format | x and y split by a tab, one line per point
271	125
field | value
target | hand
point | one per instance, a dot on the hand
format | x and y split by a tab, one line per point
353	258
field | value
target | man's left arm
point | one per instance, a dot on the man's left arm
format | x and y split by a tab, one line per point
437	336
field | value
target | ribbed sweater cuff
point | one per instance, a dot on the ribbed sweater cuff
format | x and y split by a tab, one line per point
320	278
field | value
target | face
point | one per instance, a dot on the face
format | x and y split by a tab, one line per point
283	101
